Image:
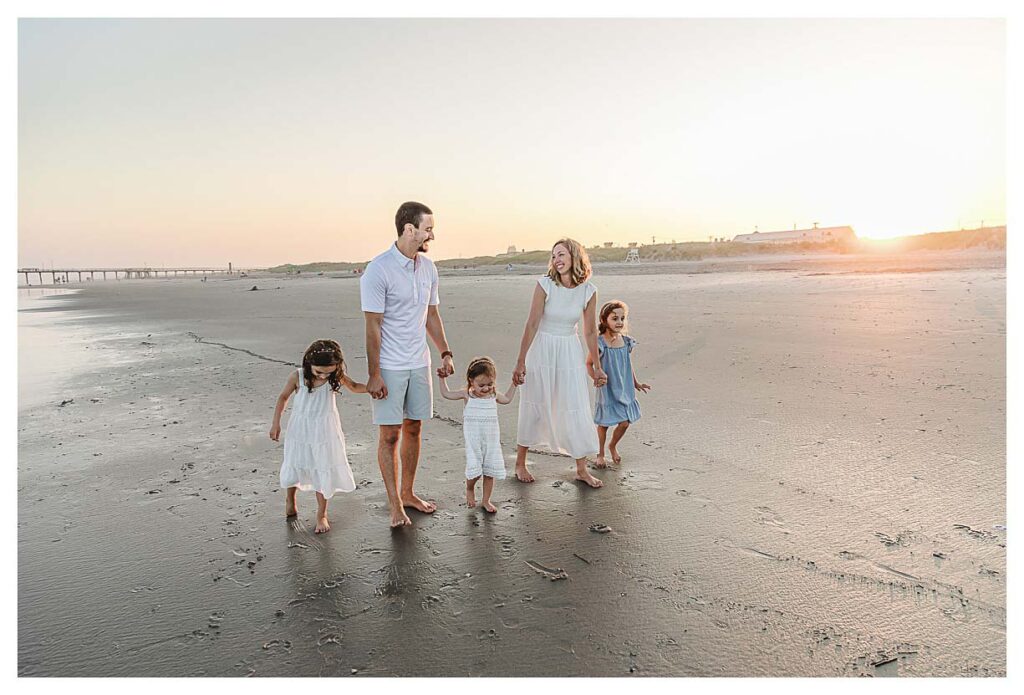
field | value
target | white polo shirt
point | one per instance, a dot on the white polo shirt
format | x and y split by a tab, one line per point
401	288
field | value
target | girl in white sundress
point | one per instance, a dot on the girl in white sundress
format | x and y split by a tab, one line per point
314	445
554	407
480	427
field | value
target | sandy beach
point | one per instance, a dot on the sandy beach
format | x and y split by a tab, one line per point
817	486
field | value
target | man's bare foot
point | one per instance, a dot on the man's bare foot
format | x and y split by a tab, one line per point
615	455
471	496
425	506
490	507
588	479
322	525
399	518
524	475
600	462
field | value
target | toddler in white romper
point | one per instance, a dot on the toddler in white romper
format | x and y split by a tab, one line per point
480	427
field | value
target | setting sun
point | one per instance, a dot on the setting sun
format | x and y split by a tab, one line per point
264	143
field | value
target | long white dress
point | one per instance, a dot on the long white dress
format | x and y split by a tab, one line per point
554	401
314	444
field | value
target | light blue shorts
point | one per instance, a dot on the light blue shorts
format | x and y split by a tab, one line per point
410	396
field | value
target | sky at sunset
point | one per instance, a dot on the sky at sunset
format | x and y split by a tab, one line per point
260	142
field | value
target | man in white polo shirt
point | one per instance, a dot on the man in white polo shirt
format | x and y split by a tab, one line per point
400	301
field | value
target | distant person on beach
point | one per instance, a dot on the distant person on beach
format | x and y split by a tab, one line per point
399	295
616	404
314	446
554	407
480	430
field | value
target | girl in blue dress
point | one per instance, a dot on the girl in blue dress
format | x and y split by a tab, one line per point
616	401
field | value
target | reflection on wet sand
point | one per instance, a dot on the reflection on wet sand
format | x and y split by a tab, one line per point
817	487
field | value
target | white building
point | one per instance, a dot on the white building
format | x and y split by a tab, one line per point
815	234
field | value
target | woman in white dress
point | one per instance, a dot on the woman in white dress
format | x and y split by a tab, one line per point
554	405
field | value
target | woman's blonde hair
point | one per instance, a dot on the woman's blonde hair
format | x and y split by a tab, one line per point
580	270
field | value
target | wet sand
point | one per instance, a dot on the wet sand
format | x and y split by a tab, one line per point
817	487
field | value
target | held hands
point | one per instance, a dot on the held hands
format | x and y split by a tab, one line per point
519	374
600	378
275	432
376	388
447	367
641	387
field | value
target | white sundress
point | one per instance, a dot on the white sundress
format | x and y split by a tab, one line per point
314	444
554	401
483	439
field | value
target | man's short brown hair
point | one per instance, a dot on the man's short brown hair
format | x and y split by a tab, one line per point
410	213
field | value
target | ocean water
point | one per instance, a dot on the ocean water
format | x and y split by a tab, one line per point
51	345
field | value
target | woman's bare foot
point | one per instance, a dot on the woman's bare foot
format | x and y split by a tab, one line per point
490	507
411	500
322	525
600	462
470	495
523	474
590	480
399	518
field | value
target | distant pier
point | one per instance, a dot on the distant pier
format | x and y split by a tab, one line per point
59	275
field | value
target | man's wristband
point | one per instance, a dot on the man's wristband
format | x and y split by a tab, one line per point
449	353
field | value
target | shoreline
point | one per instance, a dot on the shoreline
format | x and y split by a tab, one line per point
917	261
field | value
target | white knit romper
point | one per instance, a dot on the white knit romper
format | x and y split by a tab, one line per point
483	438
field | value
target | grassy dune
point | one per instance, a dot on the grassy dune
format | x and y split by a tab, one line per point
984	237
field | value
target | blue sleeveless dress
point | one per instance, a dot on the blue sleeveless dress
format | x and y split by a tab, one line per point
616	401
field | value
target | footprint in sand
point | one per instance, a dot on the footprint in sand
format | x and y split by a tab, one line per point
641	480
704	501
505	543
769	517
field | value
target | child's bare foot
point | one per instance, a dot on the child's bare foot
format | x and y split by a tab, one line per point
590	480
615	455
470	495
322	525
399	518
490	507
524	475
411	500
600	462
